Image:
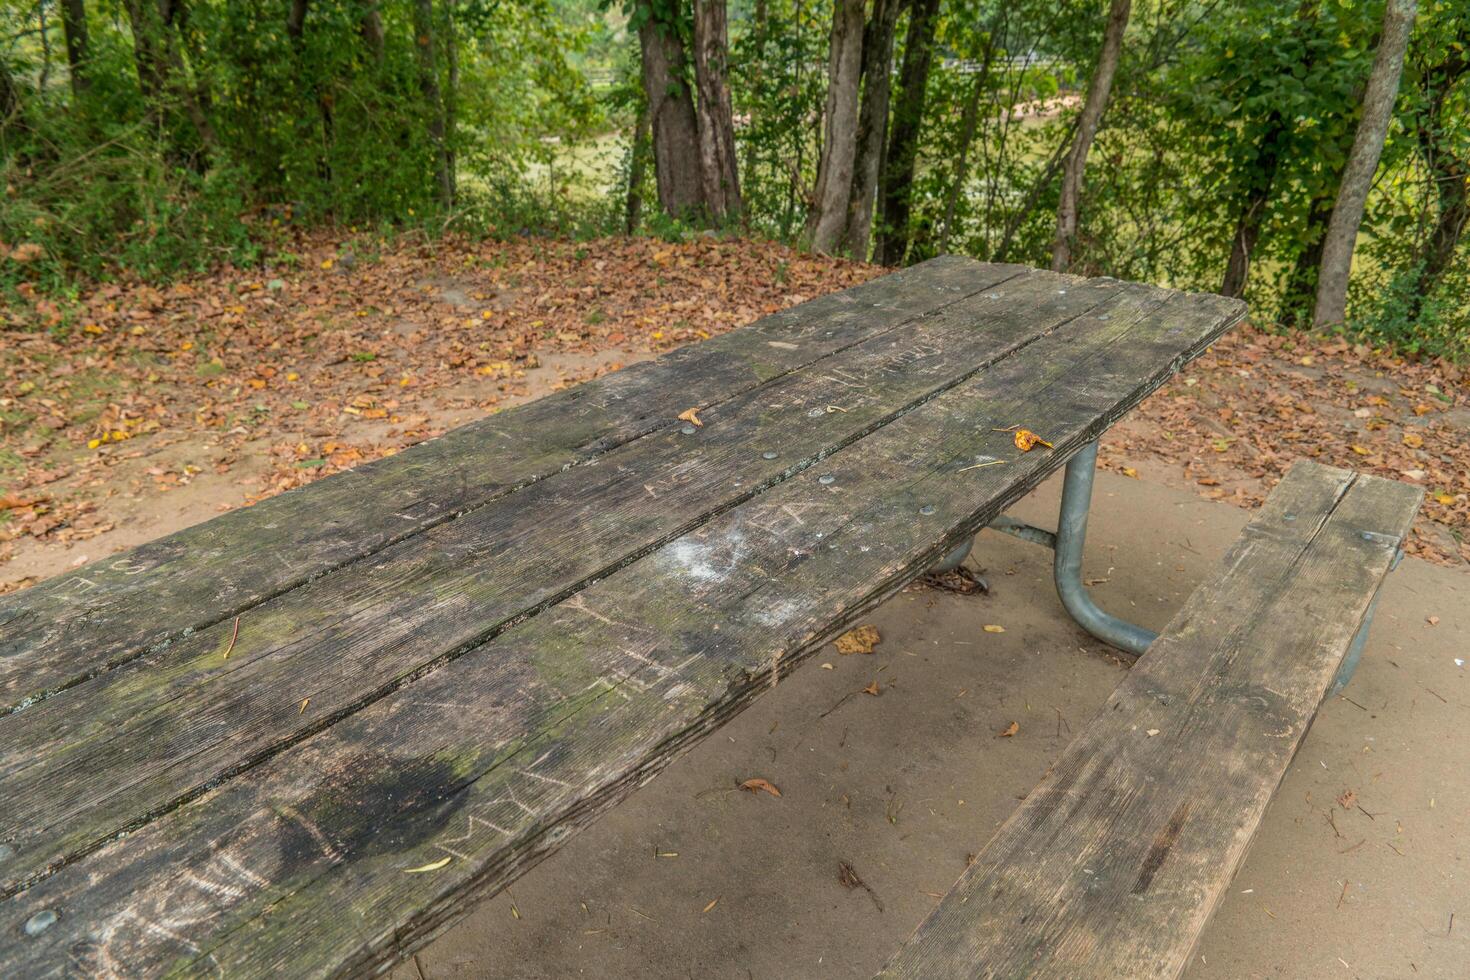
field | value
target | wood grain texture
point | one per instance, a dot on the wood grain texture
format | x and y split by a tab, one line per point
78	624
1114	864
300	864
108	753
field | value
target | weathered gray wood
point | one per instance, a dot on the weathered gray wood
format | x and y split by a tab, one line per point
105	754
1113	865
76	625
300	864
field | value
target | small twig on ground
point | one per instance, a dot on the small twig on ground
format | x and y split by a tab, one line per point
849	879
233	636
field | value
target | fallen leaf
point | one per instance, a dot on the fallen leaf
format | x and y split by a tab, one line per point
760	786
431	866
1361	451
1432	620
691	415
860	640
1346	799
1130	471
710	906
1413	440
872	689
1026	440
1010	730
994	628
1151	732
14	503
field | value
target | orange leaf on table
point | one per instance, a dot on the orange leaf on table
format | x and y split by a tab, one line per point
1026	440
691	415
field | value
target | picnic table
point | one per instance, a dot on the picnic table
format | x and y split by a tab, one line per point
301	738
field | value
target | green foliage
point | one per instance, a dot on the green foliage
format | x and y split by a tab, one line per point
258	125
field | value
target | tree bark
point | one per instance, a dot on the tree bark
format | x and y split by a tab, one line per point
1253	209
296	19
1357	178
872	133
671	119
719	179
9	101
1450	176
1098	91
423	29
74	26
637	167
895	184
371	29
828	216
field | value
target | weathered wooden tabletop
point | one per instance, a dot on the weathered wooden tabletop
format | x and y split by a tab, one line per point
300	738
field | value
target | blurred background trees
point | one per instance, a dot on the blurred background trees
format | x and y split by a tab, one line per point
1206	144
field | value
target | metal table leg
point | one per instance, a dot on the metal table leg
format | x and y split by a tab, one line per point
1067	542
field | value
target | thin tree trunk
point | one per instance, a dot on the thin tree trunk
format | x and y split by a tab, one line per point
637	168
1449	175
296	19
74	26
1253	210
825	223
451	99
1090	119
719	179
872	124
1044	179
10	104
969	125
895	184
671	119
423	29
371	29
1357	178
1296	296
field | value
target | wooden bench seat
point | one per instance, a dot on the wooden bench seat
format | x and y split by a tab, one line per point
1115	862
301	738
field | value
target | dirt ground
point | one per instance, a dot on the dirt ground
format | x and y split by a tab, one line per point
140	410
904	786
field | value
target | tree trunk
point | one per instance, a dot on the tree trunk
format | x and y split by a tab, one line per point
1253	210
872	124
825	224
371	29
296	19
637	167
896	181
671	119
451	99
10	105
74	26
719	180
1296	296
1450	176
1352	196
969	125
1088	122
423	29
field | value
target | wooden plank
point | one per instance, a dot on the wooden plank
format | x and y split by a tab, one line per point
481	767
1113	865
75	625
106	754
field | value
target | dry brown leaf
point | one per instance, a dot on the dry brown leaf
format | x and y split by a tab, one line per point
1347	799
872	689
759	785
860	640
691	415
1026	440
1432	620
710	906
1413	440
1010	730
994	628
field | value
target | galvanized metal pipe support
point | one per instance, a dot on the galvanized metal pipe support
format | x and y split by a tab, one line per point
1068	540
